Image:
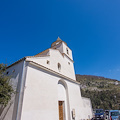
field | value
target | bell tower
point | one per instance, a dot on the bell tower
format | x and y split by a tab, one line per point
62	47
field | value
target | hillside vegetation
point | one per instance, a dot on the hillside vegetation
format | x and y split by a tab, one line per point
103	92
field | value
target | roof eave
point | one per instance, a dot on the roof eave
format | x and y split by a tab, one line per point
16	62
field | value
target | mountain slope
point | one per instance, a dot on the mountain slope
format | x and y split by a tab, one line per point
103	92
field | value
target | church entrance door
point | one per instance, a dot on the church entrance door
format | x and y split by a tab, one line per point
61	110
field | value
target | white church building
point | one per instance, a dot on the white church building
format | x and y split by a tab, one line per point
46	87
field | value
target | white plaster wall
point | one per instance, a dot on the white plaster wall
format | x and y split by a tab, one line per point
55	58
15	77
70	67
87	108
75	100
82	106
41	96
69	50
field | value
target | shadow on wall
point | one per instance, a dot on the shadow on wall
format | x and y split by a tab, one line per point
4	109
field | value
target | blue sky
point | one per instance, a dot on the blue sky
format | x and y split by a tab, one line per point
91	28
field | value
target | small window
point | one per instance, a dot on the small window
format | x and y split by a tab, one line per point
67	51
13	71
59	66
48	62
7	72
69	63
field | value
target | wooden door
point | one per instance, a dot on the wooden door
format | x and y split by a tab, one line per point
60	110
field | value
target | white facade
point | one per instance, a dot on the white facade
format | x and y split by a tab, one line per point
42	82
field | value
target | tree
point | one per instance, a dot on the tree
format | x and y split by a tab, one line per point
6	89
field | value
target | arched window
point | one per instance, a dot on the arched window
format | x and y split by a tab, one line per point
48	62
59	66
67	51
